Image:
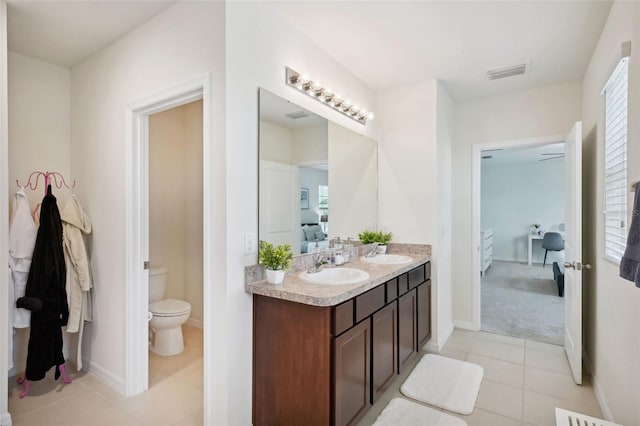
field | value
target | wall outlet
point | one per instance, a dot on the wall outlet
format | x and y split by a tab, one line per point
250	243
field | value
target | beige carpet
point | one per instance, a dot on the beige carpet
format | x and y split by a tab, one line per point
522	301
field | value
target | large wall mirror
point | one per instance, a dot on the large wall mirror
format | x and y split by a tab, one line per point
318	180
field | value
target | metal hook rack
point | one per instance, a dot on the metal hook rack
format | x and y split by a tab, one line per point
56	177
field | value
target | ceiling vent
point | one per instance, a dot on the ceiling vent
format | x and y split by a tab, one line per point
507	71
297	114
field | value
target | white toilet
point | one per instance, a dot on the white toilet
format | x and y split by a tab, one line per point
168	316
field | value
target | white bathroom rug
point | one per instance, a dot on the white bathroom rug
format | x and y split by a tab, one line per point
400	412
444	382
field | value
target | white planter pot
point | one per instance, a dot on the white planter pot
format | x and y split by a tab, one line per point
275	277
382	249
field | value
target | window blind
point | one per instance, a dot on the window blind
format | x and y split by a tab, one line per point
615	161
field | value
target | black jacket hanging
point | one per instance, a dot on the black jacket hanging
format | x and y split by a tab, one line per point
45	294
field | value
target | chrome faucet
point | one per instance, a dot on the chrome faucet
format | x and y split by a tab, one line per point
373	250
319	260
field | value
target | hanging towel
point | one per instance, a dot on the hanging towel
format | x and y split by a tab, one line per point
22	240
75	226
630	263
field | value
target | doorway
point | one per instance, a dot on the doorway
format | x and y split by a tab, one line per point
175	245
138	226
573	264
522	243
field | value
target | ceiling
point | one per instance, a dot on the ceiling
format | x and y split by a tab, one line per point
524	155
65	32
391	44
385	43
274	109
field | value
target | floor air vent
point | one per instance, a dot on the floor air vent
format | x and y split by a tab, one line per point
570	418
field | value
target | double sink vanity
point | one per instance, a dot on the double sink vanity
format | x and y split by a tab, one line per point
326	345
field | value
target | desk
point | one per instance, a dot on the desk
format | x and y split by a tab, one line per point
531	238
536	237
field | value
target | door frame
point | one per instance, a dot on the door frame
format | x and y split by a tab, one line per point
137	224
476	176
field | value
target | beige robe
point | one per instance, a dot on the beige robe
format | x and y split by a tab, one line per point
75	226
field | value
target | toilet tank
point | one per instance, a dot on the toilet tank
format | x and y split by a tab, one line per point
157	283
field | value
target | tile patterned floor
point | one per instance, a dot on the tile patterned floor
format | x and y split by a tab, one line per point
174	396
523	382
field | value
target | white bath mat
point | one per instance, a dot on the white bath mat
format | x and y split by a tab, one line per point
444	382
400	412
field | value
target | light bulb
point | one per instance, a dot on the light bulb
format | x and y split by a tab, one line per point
371	116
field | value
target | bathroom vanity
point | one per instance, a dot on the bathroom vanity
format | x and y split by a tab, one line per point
323	354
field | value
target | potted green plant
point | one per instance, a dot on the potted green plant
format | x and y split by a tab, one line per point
382	238
275	260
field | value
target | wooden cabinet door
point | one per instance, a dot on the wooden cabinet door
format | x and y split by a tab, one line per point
407	329
384	354
424	313
352	367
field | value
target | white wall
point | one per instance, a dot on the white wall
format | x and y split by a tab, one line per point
182	43
353	183
39	139
5	417
516	195
310	178
612	305
259	46
275	143
175	201
310	145
40	123
540	112
445	136
414	184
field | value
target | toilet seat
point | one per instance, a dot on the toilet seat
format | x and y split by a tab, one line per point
169	308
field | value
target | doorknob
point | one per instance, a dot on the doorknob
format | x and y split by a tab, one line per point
578	266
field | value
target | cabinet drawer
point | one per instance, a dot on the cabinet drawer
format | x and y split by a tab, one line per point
416	276
342	317
403	284
392	290
369	302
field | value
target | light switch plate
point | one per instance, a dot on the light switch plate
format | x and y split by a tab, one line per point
250	243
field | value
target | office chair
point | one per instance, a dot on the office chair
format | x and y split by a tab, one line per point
551	241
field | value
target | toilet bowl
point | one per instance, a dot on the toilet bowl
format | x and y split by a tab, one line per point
168	316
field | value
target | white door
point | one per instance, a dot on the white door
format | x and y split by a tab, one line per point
279	204
573	251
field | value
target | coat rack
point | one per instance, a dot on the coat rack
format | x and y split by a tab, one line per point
57	178
32	183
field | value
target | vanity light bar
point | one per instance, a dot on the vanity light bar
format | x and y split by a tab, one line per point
314	89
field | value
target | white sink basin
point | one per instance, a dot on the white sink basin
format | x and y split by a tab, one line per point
387	259
335	276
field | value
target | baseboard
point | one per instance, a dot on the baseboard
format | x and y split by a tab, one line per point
597	389
193	322
465	325
5	419
436	347
105	376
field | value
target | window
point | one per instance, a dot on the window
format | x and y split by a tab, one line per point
615	162
323	206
